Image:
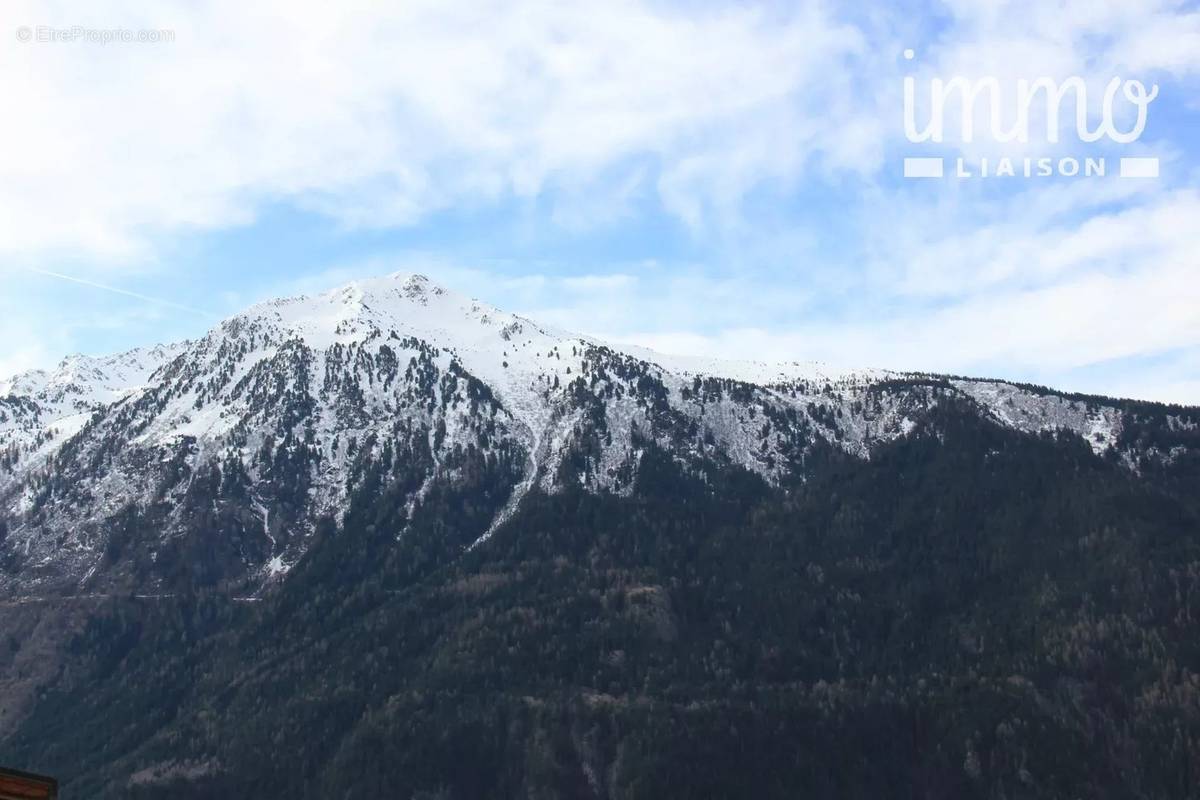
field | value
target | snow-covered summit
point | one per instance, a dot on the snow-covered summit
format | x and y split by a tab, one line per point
54	404
278	415
80	381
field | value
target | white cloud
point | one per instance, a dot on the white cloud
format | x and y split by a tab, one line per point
378	115
935	252
1042	300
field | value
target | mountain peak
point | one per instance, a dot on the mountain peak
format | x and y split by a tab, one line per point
291	400
383	292
414	281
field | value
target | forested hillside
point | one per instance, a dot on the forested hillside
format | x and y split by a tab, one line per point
972	611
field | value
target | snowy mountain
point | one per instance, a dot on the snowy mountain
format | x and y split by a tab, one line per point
38	406
422	547
215	461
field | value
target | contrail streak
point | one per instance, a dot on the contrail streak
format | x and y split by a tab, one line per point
115	290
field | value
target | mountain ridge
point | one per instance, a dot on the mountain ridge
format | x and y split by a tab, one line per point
392	542
298	386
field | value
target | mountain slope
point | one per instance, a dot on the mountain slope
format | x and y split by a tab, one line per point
39	409
233	447
973	611
388	541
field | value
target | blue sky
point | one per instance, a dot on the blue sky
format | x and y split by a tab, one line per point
715	178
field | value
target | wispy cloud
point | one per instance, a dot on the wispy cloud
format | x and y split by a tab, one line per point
378	115
158	301
718	180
